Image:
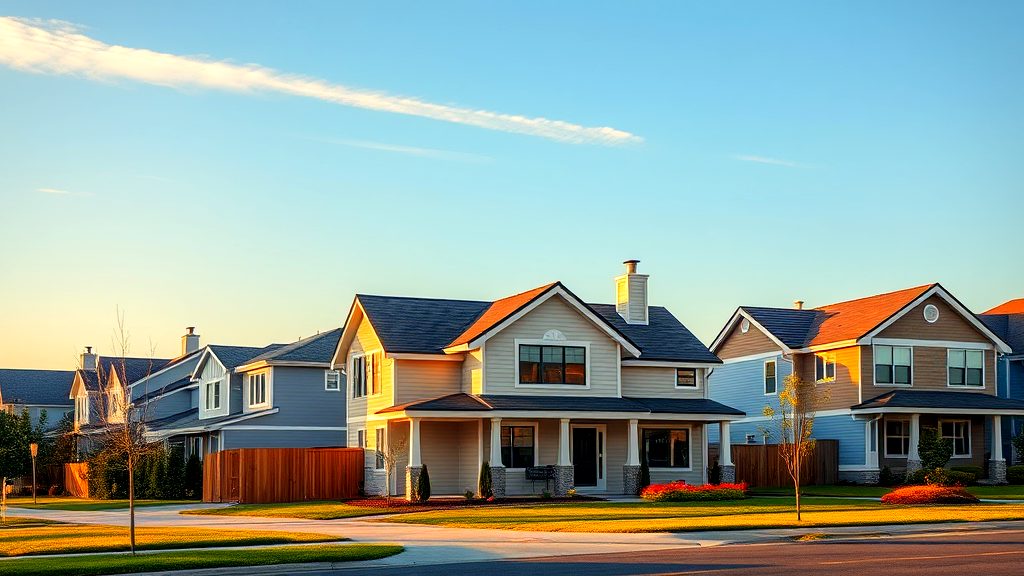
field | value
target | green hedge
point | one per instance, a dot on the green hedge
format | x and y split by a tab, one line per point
1015	474
161	474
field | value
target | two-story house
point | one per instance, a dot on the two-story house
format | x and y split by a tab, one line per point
532	380
221	397
1007	321
38	392
894	364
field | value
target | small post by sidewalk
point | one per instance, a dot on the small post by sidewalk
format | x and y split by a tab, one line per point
34	449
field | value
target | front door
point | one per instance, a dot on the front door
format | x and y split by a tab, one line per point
585	461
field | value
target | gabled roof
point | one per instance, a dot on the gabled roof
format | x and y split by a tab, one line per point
35	387
1009	328
1009	307
663	338
233	356
178	384
133	369
418	325
497	311
847	321
318	348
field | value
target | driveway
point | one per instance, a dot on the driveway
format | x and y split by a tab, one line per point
436	545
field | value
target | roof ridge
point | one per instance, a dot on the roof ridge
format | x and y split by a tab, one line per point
424	298
890	293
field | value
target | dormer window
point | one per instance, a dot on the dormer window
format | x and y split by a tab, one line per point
213	395
259	390
82	408
552	365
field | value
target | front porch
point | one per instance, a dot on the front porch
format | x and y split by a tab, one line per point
530	455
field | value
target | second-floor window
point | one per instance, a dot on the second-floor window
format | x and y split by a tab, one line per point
332	380
552	364
771	382
824	367
379	448
686	377
366	375
893	365
213	395
82	409
257	389
966	367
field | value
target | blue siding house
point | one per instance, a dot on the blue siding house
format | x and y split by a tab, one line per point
1007	320
37	391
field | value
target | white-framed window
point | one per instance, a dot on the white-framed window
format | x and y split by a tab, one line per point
332	380
366	374
825	367
666	447
212	397
959	432
540	364
771	379
686	378
965	368
379	448
897	438
259	390
519	445
894	365
82	408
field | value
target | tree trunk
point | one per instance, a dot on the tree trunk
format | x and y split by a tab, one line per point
3	500
131	504
796	481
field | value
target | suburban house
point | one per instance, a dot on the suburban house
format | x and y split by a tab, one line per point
894	363
37	391
551	391
1007	321
220	397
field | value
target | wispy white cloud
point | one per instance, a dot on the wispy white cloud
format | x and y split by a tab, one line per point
434	153
54	47
766	160
59	192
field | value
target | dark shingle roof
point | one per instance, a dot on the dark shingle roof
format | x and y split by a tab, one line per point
1009	328
419	325
463	402
662	338
428	326
789	325
234	356
938	399
133	368
36	387
176	385
318	348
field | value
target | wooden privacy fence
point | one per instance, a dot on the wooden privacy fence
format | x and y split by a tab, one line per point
258	475
762	466
76	479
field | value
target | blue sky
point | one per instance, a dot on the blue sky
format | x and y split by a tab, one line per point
772	151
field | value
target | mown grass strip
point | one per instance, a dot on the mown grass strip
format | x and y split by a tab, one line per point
194	559
87	505
304	510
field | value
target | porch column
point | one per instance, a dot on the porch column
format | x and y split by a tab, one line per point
564	469
415	466
913	458
497	468
997	465
725	453
631	469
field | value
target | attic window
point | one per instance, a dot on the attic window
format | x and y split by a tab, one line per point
931	314
745	326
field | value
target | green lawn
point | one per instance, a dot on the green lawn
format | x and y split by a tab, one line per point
994	492
85	504
683	517
17	522
325	510
76	538
194	559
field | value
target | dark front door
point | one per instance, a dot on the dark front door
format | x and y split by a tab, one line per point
584	456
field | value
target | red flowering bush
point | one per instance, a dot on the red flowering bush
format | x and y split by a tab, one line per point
929	494
680	491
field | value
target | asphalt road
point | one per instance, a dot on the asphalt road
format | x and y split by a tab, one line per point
975	553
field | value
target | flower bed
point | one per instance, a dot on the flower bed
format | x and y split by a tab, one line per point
929	494
682	492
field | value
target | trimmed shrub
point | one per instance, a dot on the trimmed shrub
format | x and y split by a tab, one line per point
943	477
935	451
194	477
173	486
423	485
682	492
486	488
887	478
978	471
1015	474
929	494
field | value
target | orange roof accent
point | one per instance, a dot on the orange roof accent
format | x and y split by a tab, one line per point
854	318
1010	307
498	311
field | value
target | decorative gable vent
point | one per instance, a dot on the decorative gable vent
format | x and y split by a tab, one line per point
631	294
555	335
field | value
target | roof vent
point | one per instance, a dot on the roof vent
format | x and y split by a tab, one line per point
798	304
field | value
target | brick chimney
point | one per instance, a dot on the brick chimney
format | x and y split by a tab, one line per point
631	294
190	341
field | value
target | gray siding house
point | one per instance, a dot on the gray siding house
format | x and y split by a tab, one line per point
37	391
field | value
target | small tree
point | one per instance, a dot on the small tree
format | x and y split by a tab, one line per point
14	454
423	485
799	401
486	484
389	455
934	450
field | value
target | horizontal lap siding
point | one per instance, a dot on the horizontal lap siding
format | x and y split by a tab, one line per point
950	325
844	391
649	382
283	438
469	456
741	386
554	314
473	372
849	433
439	450
738	344
930	372
300	396
426	379
366	340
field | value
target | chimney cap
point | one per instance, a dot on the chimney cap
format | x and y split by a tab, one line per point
798	304
88	349
630	265
191	330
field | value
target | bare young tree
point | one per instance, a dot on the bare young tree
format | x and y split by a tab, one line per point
389	455
799	402
123	422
